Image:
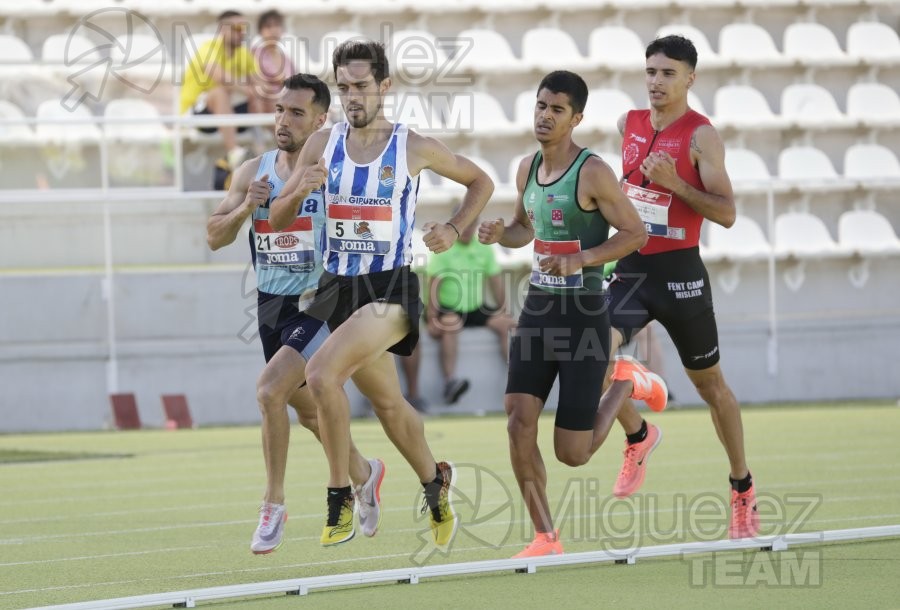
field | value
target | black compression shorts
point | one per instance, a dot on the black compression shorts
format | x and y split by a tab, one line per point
564	335
338	296
673	288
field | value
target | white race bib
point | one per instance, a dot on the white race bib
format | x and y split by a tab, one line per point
653	208
293	246
366	229
543	249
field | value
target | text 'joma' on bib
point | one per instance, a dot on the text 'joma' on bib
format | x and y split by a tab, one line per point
293	246
543	249
359	228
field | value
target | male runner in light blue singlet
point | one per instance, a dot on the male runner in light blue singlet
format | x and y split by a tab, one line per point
288	264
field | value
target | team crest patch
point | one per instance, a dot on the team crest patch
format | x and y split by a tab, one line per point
386	176
630	153
362	229
556	218
531	214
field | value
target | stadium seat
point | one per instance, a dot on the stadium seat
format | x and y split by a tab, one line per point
479	114
873	165
750	46
414	109
802	235
13	50
417	54
514	167
604	108
874	43
131	108
547	49
14	133
67	49
616	47
65	125
744	107
706	57
813	44
330	41
743	241
808	168
748	171
867	233
812	107
489	52
696	103
140	60
874	105
524	110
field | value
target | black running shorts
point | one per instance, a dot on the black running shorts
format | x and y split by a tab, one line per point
338	296
673	288
566	336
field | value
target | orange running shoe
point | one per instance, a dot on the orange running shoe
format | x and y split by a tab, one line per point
634	468
543	544
744	515
648	386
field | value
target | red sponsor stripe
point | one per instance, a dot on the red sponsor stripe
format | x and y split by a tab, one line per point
548	248
359	212
301	223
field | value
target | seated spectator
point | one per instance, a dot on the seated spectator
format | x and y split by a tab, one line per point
273	63
221	79
456	301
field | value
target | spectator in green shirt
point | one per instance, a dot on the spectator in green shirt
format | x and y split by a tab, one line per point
457	279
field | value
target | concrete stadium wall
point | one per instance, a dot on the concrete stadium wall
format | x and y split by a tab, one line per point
185	330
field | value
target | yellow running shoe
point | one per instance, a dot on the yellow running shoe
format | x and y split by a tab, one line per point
339	527
544	543
439	500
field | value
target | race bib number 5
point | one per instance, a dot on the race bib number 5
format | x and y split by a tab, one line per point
365	229
293	246
652	207
543	249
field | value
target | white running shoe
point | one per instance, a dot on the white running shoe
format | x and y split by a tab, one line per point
368	498
270	531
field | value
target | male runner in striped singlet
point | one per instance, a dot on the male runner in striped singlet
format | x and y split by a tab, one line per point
288	264
673	165
368	294
568	199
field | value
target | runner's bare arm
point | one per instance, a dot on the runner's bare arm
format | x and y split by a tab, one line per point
308	175
708	152
600	186
598	189
238	205
519	232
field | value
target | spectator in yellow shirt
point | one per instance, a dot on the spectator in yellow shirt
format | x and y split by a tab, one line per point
223	70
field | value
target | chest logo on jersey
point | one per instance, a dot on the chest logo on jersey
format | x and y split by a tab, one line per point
530	213
386	176
670	145
553	198
556	218
335	171
630	153
531	197
362	229
635	136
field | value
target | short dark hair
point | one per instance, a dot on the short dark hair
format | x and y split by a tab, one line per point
362	50
321	94
228	14
674	47
563	81
266	17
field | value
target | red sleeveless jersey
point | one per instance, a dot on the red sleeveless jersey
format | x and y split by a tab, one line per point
672	224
